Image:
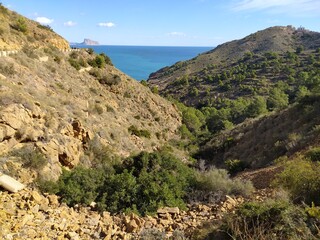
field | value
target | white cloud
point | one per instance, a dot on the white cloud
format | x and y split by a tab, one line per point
179	34
44	20
69	24
106	24
279	6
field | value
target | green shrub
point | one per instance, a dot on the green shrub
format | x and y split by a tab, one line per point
74	63
90	51
21	25
185	133
313	211
277	99
234	165
95	72
257	107
144	183
107	60
267	220
144	83
100	61
46	27
110	80
314	154
80	186
155	90
301	178
140	133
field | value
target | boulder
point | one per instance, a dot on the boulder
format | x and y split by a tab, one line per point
10	184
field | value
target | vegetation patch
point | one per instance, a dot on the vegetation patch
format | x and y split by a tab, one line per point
139	132
31	157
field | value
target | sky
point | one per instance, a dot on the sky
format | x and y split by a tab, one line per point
166	22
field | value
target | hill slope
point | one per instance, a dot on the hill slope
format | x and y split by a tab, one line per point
258	142
62	104
17	32
268	71
243	64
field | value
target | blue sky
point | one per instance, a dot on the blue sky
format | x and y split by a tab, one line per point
166	22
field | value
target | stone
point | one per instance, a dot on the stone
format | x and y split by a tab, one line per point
222	209
164	222
10	183
53	200
106	217
36	197
2	77
132	226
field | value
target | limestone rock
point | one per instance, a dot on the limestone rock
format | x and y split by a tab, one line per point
36	197
53	200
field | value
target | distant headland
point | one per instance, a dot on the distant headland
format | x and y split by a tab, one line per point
86	41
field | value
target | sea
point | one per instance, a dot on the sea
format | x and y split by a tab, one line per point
140	61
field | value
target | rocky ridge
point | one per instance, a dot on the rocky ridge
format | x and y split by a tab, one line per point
18	31
280	39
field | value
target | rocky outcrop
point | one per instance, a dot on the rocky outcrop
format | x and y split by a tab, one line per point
28	214
62	146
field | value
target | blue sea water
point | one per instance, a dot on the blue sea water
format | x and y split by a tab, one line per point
140	61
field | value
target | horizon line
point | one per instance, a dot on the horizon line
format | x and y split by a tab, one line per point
126	45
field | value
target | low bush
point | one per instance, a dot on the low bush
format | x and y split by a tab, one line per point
7	69
234	165
46	27
79	186
109	79
31	157
140	133
301	178
20	25
74	63
273	219
218	180
100	61
314	154
152	234
142	183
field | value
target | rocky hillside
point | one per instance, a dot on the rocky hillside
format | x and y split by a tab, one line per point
236	68
268	74
17	32
260	142
55	105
